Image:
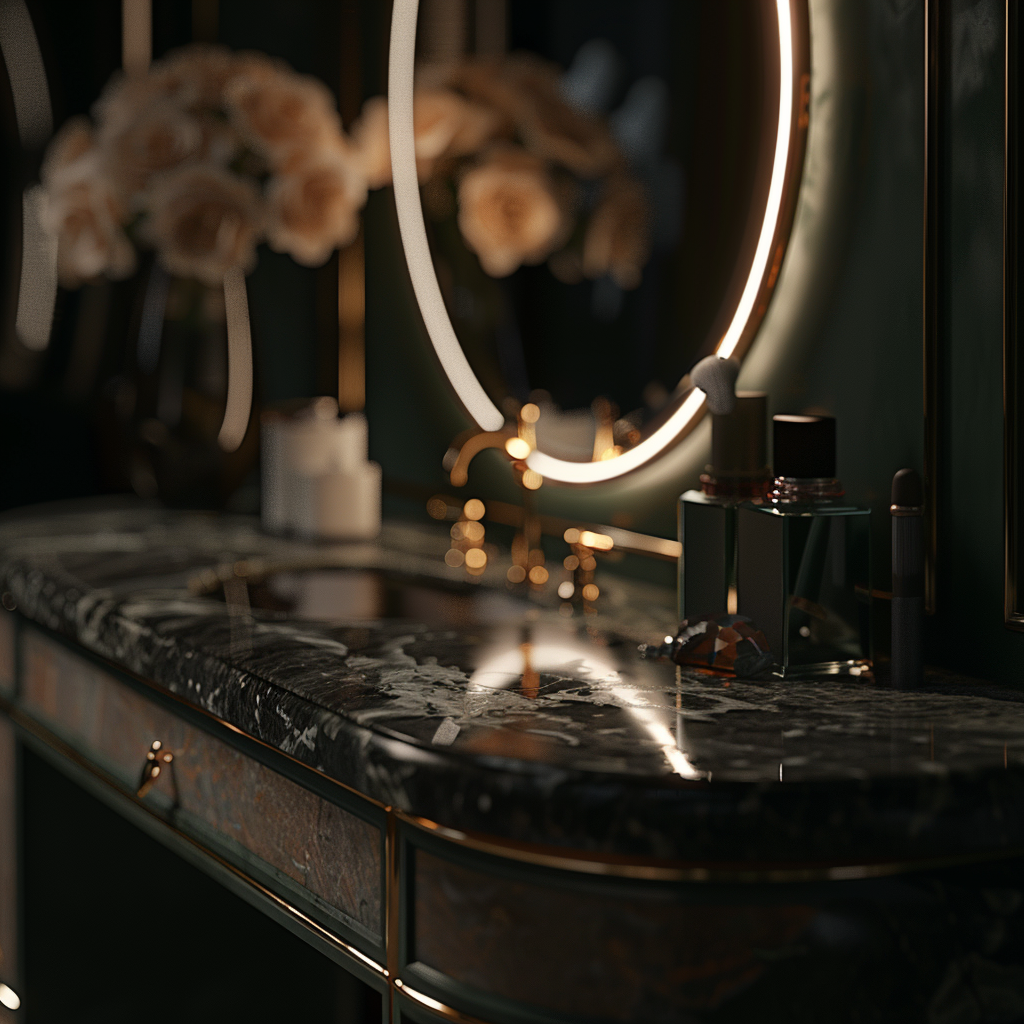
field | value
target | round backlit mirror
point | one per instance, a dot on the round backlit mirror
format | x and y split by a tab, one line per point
592	197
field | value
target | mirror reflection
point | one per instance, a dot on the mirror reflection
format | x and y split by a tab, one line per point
594	187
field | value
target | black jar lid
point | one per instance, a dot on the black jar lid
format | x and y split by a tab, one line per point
804	447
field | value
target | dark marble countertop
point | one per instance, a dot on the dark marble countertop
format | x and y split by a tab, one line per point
492	712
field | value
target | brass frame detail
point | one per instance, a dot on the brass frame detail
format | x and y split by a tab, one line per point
436	1006
665	871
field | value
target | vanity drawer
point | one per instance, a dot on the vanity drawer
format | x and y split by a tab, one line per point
557	945
298	843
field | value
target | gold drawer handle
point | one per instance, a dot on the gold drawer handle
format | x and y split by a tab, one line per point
156	758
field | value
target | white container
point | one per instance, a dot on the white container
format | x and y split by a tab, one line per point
316	479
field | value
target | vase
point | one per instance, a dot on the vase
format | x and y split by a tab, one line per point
169	401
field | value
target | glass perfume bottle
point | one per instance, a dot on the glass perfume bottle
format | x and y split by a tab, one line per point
803	570
707	518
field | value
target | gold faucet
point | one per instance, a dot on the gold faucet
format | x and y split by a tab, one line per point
515	440
467	446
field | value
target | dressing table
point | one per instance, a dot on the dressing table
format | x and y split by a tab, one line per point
483	804
347	739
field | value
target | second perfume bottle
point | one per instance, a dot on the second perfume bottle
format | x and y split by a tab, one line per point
803	557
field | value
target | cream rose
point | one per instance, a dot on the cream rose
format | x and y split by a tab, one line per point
617	241
525	90
83	215
314	209
82	211
165	136
553	129
371	144
124	98
283	116
204	220
72	145
196	74
509	211
444	124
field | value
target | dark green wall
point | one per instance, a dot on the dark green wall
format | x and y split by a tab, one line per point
969	628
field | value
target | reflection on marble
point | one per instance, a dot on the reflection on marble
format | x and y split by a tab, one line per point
489	711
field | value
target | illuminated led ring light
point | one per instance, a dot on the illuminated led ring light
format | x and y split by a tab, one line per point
401	70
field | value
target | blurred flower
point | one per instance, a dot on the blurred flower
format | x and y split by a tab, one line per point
203	221
370	142
510	212
74	140
283	116
163	146
444	125
315	207
84	217
82	211
618	240
525	90
196	74
161	138
124	98
553	129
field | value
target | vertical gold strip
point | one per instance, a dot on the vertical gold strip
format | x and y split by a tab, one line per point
930	353
351	326
351	369
491	28
136	35
205	20
443	26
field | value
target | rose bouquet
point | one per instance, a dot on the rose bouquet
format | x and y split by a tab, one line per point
211	152
533	178
202	157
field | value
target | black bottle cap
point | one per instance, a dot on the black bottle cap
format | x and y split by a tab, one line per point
907	491
739	439
804	447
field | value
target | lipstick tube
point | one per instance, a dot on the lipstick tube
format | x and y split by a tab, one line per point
907	511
